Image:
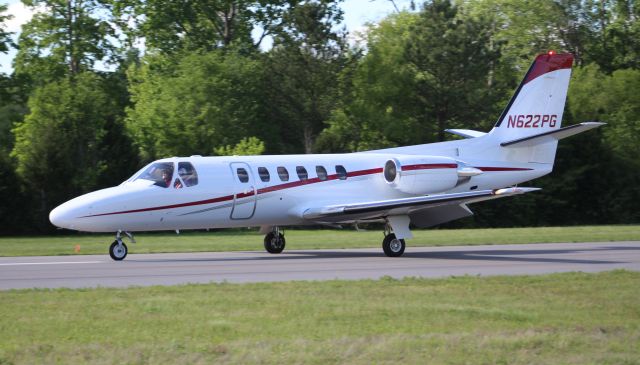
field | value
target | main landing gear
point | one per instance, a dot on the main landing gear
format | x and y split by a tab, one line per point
118	250
274	241
393	244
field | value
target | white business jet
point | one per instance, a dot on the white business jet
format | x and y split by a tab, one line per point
423	185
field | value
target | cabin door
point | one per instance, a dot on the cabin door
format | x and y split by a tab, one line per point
244	197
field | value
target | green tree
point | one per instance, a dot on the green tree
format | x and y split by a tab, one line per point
606	32
246	147
13	216
615	33
374	110
524	28
171	26
204	102
303	71
423	73
65	38
450	58
60	146
5	37
595	95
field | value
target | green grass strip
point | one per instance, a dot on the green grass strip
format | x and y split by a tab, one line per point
571	318
232	240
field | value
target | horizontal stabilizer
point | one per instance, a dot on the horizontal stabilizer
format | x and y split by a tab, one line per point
556	134
466	133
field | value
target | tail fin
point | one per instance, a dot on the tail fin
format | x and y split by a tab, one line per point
536	108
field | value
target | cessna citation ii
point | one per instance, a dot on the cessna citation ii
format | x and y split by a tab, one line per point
423	185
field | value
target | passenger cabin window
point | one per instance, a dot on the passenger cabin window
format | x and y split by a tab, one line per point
161	173
321	172
341	172
302	173
243	175
283	173
264	174
187	173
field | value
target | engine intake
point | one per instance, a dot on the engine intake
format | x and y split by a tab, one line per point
421	174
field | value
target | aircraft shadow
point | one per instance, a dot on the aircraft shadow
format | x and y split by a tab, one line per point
471	254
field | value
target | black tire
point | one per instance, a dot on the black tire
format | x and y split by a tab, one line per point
273	243
392	246
116	253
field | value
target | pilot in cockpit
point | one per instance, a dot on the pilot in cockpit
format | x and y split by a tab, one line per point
166	177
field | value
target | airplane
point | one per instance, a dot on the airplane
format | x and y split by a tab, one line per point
421	185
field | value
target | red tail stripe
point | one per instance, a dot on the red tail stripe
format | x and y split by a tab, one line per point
546	63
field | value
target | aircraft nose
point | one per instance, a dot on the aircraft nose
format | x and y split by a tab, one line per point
62	216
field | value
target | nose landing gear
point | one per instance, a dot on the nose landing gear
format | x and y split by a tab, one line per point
118	250
274	241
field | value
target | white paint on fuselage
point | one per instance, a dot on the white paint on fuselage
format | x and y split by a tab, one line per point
109	210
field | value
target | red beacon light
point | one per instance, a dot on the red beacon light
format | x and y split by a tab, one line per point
551	53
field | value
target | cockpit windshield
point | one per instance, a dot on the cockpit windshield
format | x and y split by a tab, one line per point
160	173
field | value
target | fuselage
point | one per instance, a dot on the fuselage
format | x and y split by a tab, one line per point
242	191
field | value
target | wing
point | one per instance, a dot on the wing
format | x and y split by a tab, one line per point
424	211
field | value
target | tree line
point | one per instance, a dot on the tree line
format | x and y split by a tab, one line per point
193	77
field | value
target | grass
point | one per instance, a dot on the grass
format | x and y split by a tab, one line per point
571	318
308	239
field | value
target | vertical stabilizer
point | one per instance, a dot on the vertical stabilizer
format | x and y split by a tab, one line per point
535	108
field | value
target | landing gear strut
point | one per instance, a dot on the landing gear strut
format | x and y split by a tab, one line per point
274	241
118	250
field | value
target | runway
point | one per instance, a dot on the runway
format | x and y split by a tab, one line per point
252	266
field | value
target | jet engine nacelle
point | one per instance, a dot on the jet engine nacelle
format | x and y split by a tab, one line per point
421	174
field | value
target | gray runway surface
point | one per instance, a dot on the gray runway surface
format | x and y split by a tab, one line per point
181	268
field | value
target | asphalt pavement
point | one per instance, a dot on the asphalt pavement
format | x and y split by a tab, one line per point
83	271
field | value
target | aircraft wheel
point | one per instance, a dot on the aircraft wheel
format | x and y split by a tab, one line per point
274	242
118	250
392	246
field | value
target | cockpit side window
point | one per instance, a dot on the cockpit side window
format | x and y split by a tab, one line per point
188	173
161	173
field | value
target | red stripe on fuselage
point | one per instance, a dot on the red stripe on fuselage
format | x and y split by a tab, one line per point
503	168
364	172
430	166
199	202
268	189
294	184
